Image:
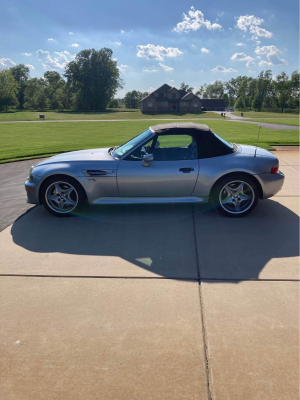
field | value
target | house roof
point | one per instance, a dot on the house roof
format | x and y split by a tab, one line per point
188	96
163	89
212	103
161	128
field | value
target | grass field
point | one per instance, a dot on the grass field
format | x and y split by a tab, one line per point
25	141
253	114
113	114
294	121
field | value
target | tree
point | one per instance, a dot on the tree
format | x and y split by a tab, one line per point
55	90
35	94
185	87
132	99
94	77
214	90
8	90
114	103
283	89
225	98
240	104
263	88
21	74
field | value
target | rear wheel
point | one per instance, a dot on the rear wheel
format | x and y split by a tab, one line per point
236	195
62	196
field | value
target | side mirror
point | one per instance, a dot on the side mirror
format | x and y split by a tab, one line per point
148	158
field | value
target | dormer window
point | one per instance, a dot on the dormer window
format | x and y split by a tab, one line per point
173	95
156	94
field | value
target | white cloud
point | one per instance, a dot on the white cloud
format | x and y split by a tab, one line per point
27	54
240	44
124	66
118	43
204	50
194	21
122	31
157	52
250	63
240	57
259	57
192	45
59	61
6	63
272	56
51	40
266	50
251	72
219	68
256	30
243	57
122	69
150	70
274	59
71	33
264	63
246	21
75	45
165	67
30	66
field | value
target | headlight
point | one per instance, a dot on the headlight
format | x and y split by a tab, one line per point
30	177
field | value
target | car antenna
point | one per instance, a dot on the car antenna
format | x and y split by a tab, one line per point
257	141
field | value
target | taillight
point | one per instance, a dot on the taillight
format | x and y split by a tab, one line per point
274	170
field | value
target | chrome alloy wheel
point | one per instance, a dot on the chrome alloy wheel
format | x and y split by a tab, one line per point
236	197
61	197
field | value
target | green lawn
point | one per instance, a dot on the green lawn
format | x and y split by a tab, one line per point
253	114
111	114
25	141
294	121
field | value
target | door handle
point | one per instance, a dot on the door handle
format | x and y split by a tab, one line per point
186	170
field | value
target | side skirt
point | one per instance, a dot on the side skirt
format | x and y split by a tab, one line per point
147	200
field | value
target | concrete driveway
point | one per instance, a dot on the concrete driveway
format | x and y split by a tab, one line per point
164	302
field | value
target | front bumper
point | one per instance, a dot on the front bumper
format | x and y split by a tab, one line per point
271	183
32	192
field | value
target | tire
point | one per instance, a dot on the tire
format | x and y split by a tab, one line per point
62	196
235	195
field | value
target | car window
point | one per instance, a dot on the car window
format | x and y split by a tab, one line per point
175	147
139	153
120	151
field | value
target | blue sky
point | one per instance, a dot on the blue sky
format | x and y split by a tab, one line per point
155	41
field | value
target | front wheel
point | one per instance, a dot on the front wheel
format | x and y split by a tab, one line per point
236	196
62	196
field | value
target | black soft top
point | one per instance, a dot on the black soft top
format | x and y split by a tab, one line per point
209	145
174	126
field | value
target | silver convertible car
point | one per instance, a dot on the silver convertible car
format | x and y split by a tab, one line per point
175	162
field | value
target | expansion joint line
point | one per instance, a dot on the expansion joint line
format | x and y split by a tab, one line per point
202	315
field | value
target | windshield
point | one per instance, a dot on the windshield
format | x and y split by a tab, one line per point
120	151
230	145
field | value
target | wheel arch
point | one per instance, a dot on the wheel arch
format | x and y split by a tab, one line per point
59	176
253	177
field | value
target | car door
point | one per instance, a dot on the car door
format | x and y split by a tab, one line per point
172	173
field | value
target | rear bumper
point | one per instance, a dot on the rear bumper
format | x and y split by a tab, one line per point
271	183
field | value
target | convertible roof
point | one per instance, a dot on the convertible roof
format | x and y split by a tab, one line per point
180	125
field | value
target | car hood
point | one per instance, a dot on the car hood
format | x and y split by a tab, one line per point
250	150
81	155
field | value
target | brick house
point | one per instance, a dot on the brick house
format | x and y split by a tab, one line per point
169	99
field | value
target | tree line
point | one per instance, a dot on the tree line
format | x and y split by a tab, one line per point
91	81
263	92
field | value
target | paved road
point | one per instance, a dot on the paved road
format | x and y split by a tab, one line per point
165	302
12	192
236	118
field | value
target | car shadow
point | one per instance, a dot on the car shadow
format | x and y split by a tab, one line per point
173	241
